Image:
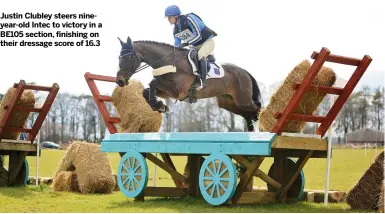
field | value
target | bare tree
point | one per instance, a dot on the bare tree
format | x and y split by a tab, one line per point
363	106
378	108
62	104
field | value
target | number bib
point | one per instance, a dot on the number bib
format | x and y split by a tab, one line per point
185	35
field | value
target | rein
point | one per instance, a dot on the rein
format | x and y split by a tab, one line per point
140	68
192	90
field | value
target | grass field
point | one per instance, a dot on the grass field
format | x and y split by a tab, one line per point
347	167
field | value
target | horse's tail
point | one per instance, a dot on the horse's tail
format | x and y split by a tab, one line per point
256	92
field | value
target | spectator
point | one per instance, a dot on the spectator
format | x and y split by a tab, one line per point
23	136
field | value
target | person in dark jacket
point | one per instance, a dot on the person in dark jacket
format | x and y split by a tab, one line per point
189	29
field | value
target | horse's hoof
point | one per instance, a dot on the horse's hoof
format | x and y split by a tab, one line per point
192	100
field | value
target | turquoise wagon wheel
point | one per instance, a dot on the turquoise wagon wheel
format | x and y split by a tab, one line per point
296	190
217	179
132	174
26	170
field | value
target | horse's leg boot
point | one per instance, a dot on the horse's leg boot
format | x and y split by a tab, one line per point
160	107
152	94
152	103
146	95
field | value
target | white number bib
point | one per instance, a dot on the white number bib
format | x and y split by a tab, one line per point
185	35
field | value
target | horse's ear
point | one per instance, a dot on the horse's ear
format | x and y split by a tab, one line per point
121	42
128	40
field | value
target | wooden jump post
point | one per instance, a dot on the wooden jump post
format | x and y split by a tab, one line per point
344	93
18	149
325	121
100	99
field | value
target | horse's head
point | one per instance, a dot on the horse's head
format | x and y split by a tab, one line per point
129	61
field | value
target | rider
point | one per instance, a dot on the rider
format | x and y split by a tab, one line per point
189	29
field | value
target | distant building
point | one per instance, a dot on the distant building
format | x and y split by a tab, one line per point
367	135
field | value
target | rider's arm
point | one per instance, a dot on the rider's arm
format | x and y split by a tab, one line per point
194	23
177	41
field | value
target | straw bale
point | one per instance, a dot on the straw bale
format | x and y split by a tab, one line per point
116	188
308	105
366	193
381	200
65	181
135	113
92	167
19	118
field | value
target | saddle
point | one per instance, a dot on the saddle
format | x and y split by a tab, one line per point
193	58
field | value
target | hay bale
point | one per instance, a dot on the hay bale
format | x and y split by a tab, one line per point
135	113
381	200
19	118
308	105
116	181
65	181
366	193
92	167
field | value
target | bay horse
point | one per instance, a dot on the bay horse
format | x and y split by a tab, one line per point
234	88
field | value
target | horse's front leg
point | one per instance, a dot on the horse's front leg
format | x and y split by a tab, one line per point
150	95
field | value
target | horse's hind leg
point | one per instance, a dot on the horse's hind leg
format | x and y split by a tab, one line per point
228	103
249	123
243	99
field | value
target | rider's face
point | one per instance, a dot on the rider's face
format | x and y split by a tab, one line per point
172	19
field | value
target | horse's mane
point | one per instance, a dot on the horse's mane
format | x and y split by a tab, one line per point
157	43
154	42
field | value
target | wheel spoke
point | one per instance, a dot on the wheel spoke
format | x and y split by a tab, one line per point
218	192
224	179
136	180
133	163
125	167
137	174
212	191
214	168
124	174
136	168
208	186
219	167
223	186
129	163
125	181
129	184
209	170
208	178
223	172
133	184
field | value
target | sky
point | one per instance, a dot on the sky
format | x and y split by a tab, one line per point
267	38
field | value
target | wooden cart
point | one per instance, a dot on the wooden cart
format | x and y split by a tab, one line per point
216	179
17	150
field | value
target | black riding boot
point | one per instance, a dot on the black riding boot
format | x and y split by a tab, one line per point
202	70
